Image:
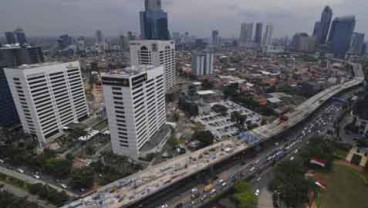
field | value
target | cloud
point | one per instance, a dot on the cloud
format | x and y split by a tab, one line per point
199	17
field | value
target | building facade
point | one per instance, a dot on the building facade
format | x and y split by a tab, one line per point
155	53
340	35
154	21
12	56
135	104
48	97
246	33
322	27
202	63
356	44
302	42
258	35
267	36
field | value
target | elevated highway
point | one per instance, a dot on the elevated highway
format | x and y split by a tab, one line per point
136	187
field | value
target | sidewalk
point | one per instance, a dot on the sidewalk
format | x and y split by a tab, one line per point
265	199
24	194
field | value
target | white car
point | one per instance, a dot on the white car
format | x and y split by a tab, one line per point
292	158
164	206
257	192
20	170
36	176
63	186
220	181
1	161
252	169
223	184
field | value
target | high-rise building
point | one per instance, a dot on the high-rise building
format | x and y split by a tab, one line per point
215	38
12	56
202	63
135	105
64	41
155	53
21	37
99	37
303	43
48	97
154	23
246	33
356	44
258	35
340	35
322	27
267	36
10	38
81	45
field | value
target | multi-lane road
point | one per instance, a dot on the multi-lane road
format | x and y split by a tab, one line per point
253	167
143	184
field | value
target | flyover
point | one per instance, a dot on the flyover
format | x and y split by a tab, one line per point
134	188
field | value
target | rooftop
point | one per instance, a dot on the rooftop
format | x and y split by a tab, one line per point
31	66
128	72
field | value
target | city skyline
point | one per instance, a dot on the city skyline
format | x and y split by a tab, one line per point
79	17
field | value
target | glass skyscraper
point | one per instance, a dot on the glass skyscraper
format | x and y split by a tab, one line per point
322	27
340	35
154	23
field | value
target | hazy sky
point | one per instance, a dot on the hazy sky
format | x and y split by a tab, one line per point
199	17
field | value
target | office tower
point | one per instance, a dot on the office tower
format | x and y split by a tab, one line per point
131	36
48	97
215	38
202	63
20	36
155	53
10	38
325	24
124	43
322	27
81	45
340	35
99	37
258	35
246	33
154	23
12	56
135	104
303	43
267	37
356	44
64	41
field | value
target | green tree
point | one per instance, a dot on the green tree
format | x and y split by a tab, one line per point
82	178
290	183
243	196
205	137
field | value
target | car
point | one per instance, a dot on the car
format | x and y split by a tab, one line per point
256	192
203	197
63	186
213	191
164	206
1	161
259	179
20	170
220	181
252	169
36	176
292	158
223	184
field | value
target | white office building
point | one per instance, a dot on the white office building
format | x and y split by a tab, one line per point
246	33
267	36
48	97
202	63
156	53
135	104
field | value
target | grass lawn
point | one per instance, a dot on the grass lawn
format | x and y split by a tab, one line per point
346	188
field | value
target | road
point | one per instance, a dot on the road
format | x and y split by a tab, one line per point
31	180
24	194
150	181
260	166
